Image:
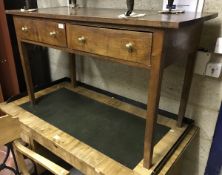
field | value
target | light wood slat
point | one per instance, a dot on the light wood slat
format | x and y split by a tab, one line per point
49	165
21	162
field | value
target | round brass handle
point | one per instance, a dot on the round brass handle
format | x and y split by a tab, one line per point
25	29
52	33
82	39
129	47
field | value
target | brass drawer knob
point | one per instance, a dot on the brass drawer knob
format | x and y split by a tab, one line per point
129	47
82	40
53	34
25	29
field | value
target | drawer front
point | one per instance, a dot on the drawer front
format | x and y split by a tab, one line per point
118	44
26	29
43	31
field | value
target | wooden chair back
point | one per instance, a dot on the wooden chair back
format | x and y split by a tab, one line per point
9	129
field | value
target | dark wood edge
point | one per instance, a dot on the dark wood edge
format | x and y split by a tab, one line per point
101	25
201	20
97	24
115	21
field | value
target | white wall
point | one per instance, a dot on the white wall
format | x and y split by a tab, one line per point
206	93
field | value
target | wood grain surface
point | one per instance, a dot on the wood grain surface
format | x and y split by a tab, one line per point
147	42
110	16
111	43
153	96
49	32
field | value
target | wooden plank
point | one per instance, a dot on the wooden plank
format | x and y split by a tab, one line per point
49	165
21	162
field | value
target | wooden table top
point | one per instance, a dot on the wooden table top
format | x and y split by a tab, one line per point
87	158
110	16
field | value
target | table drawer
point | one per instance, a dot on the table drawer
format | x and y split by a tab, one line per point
119	44
47	32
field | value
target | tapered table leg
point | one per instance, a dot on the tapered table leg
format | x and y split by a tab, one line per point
186	87
153	96
73	69
27	71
